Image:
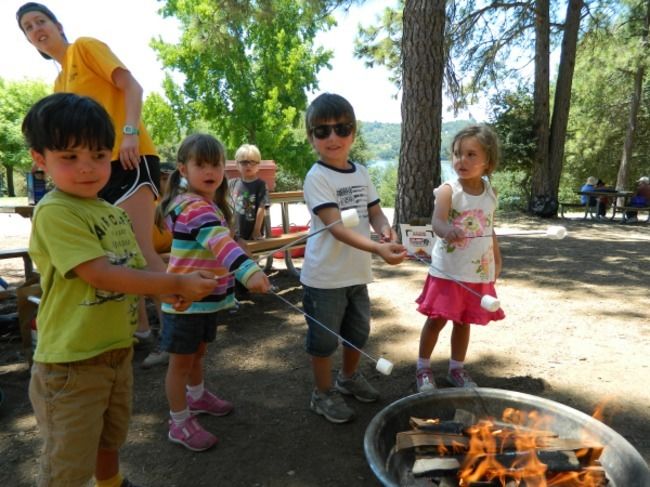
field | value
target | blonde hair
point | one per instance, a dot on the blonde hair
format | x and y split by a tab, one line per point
488	140
203	148
248	152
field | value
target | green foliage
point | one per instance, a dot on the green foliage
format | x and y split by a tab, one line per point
608	57
16	97
163	126
247	67
512	119
383	139
384	177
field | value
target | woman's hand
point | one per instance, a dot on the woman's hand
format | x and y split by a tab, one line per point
130	152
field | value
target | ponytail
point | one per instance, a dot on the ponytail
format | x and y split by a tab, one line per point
174	188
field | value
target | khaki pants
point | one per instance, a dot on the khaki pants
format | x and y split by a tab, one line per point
80	406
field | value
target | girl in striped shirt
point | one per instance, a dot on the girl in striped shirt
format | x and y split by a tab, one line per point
196	210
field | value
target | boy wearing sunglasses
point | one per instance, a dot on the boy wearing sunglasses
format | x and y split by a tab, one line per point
337	265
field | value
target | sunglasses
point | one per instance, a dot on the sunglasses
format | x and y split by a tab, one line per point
248	163
340	129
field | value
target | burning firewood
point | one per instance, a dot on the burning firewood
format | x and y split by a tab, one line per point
472	452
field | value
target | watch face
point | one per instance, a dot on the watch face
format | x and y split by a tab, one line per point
129	130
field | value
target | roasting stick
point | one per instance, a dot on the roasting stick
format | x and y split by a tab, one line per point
384	366
349	218
553	232
488	302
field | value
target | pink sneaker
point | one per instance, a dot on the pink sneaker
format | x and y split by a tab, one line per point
191	435
209	404
424	380
460	378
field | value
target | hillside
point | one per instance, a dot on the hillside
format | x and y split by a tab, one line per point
383	139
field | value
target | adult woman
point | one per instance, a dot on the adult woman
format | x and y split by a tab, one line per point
89	67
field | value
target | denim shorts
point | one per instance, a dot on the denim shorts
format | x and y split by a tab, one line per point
183	333
345	311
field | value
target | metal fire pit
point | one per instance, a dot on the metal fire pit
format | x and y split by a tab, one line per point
624	465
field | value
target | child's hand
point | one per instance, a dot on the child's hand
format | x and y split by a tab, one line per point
258	283
177	302
392	253
196	285
455	235
387	234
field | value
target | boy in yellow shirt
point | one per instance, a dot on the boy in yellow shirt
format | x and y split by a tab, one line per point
91	276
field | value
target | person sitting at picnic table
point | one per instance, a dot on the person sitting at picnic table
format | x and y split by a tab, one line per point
602	202
590	185
640	198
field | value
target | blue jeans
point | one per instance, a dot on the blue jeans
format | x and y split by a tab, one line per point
183	333
346	311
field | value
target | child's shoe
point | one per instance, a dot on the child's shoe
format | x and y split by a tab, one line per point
209	403
155	357
331	405
191	435
424	380
357	386
460	378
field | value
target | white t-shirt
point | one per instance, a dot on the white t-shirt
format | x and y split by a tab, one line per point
329	263
471	260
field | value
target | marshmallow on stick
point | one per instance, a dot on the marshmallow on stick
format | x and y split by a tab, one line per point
556	232
350	218
384	366
490	303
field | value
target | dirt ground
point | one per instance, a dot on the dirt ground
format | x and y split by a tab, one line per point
577	331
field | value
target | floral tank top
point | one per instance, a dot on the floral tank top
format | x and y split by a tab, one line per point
471	260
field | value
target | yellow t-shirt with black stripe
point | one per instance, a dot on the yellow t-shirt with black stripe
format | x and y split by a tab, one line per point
87	70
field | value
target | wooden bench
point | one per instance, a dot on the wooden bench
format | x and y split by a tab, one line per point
23	254
589	210
624	209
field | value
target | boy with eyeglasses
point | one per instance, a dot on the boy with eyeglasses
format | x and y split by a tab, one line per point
249	194
337	265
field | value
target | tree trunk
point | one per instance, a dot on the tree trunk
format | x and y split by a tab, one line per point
423	66
541	99
9	172
635	102
544	196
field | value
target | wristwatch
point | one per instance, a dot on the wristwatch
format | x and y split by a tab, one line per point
130	130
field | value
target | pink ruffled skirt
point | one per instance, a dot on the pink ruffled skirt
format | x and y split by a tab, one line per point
444	298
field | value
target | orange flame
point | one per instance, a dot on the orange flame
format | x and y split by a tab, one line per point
518	440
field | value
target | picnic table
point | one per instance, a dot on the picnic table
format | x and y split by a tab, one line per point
271	243
26	211
590	210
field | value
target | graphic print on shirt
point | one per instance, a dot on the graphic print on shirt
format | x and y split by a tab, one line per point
245	204
472	222
115	235
353	197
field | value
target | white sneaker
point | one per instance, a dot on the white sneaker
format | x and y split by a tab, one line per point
155	357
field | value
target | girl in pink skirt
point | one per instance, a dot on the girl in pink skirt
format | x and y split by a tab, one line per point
466	250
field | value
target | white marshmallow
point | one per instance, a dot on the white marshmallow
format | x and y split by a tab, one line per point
350	217
384	366
490	303
556	232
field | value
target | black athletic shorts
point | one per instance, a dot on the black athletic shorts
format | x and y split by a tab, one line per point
124	182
